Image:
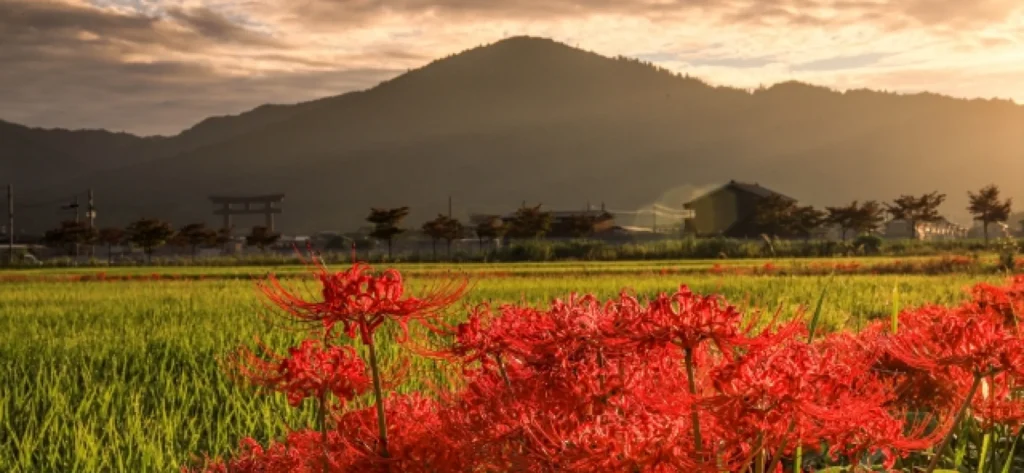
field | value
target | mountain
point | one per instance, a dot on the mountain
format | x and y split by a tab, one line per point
535	120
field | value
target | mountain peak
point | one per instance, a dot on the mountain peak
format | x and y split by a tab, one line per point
544	121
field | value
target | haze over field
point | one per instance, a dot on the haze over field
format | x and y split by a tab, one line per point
520	119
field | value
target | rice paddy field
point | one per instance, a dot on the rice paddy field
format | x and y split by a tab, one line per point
121	373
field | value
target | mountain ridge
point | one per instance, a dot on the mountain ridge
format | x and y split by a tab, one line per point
469	123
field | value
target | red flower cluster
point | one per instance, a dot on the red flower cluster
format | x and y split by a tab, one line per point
361	301
677	383
309	370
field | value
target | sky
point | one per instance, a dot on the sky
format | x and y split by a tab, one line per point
160	66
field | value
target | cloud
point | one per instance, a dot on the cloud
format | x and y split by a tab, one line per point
214	26
158	66
957	13
840	62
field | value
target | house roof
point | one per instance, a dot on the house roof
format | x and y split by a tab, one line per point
747	187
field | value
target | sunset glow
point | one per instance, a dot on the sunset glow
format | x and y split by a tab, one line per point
158	66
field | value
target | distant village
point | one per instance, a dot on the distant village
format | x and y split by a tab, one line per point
736	210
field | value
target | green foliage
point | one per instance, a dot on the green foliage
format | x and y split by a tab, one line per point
1008	249
491	228
443	228
863	218
987	208
924	208
386	223
195	235
780	217
583	225
261	237
529	222
149	234
868	244
70	235
124	376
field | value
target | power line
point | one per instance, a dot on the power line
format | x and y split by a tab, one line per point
52	202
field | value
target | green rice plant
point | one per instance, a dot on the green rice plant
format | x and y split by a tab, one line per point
124	376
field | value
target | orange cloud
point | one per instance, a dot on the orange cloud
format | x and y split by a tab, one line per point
277	47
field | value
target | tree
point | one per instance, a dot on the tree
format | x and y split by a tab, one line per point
149	234
915	210
582	225
69	235
868	217
261	237
529	222
195	235
443	228
493	227
842	217
386	224
804	221
111	237
435	229
222	237
858	218
775	215
987	208
451	231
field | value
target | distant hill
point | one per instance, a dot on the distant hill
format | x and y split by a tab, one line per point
536	120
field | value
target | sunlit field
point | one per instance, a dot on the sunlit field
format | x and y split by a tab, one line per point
123	375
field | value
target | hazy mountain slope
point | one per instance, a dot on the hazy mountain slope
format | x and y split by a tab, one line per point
25	156
531	119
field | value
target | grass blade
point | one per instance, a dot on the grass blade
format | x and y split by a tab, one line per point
895	308
985	445
1009	455
817	311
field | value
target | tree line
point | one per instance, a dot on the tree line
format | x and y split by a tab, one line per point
150	234
777	216
527	222
782	217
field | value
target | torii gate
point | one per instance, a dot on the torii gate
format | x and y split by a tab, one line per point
266	208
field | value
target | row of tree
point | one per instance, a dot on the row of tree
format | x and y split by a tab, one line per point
775	215
149	234
779	216
527	222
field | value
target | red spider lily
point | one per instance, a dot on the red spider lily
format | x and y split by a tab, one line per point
939	340
1000	401
684	319
418	439
586	386
1008	302
911	387
362	302
309	370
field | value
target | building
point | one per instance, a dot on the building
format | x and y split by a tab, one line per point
728	211
941	229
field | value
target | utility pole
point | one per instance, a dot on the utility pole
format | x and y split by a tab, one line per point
654	215
10	224
74	205
90	214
